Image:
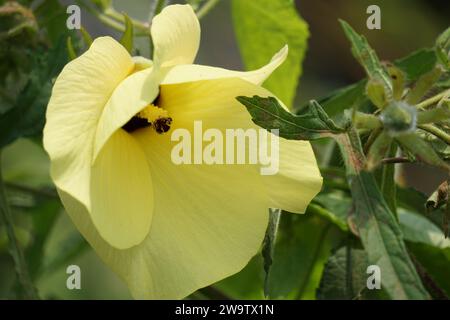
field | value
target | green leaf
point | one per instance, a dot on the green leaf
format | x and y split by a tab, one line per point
443	49
27	116
248	284
417	63
367	57
337	207
386	179
423	85
262	28
345	277
127	37
377	227
51	16
332	209
382	239
71	246
353	96
436	262
312	124
350	97
43	217
422	150
303	245
269	244
415	201
26	163
429	246
416	228
436	114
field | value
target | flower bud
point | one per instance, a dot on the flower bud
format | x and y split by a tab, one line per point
399	117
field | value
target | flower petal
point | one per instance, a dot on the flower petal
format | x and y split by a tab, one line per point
121	192
78	98
208	220
205	227
192	72
176	36
130	97
298	179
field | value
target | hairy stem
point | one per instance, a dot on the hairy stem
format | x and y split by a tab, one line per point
436	132
396	160
29	290
207	7
429	102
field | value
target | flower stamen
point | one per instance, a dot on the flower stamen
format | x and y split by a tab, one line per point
157	117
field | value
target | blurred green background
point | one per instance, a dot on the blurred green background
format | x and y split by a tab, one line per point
328	65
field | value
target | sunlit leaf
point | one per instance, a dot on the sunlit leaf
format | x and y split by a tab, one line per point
262	28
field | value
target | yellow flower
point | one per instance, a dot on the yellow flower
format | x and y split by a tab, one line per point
165	229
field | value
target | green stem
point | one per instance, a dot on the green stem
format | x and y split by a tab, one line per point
352	152
428	102
376	224
436	132
372	137
433	115
14	248
138	25
395	160
206	8
159	6
115	20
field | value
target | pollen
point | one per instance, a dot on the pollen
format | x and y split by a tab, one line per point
152	113
157	117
